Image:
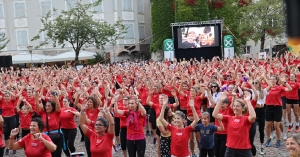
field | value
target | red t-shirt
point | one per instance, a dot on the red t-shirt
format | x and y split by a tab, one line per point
253	103
143	94
156	108
34	148
238	128
197	104
100	146
92	115
67	118
131	129
180	140
183	100
154	98
228	112
53	120
293	94
25	119
274	96
8	108
31	101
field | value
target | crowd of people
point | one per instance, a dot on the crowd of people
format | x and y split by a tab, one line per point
218	103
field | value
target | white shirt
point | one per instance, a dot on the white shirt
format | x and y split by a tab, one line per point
259	100
216	97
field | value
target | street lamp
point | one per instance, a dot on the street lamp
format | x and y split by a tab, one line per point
30	51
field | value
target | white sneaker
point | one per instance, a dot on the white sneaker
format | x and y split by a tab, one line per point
261	151
273	134
283	135
285	124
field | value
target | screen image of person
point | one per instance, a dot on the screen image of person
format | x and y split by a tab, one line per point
189	43
207	38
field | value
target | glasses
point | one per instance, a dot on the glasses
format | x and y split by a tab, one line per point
255	83
98	125
214	86
48	106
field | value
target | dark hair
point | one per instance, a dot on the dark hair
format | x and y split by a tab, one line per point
181	114
53	104
248	90
277	79
104	122
39	122
71	104
166	117
95	103
218	88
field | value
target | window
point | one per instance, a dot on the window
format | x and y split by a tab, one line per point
46	7
20	9
2	32
141	32
247	49
22	37
99	7
127	5
1	10
70	4
141	6
130	31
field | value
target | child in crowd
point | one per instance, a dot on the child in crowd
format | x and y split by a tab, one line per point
25	114
205	132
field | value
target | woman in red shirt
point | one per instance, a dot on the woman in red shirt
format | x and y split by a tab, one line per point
136	120
8	114
36	144
292	101
101	138
238	126
68	125
180	134
51	118
274	106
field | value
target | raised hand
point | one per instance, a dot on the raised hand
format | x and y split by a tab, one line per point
84	107
191	103
38	136
247	96
14	132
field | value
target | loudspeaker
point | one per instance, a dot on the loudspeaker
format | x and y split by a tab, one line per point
8	61
2	61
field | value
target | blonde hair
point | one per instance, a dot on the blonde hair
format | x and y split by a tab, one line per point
261	92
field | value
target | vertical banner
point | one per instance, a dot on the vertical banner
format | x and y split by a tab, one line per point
228	46
168	49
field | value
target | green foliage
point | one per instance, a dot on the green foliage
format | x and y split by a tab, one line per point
231	19
162	15
3	40
98	58
78	28
187	13
261	20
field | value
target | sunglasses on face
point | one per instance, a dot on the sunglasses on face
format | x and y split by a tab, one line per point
255	83
214	86
98	125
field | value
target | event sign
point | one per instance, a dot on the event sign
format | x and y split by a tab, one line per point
168	49
228	46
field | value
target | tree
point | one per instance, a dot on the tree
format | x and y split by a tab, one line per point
3	40
227	10
77	27
191	10
99	57
261	20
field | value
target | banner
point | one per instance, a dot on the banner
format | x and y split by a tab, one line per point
262	55
228	46
169	49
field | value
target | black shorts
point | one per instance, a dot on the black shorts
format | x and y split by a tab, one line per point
273	113
283	100
292	101
189	122
210	111
147	107
152	118
157	131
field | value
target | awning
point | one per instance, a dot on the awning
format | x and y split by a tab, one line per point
70	56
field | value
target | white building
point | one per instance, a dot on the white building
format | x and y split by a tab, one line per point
20	20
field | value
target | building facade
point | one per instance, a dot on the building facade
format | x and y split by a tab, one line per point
21	21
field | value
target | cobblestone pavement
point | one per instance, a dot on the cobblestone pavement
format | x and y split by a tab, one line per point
151	149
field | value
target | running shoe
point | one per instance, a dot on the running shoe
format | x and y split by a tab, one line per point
118	147
285	124
148	133
14	152
290	128
283	135
261	151
278	144
193	155
273	134
268	143
297	129
6	151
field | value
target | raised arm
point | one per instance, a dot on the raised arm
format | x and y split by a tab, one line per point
39	106
252	114
107	115
162	113
82	119
215	113
195	115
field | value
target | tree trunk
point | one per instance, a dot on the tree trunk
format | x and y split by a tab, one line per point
262	41
76	57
